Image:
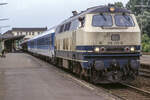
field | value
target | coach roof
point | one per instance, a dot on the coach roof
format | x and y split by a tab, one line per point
52	30
29	29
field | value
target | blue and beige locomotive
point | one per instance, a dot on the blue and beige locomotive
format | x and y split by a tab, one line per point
101	44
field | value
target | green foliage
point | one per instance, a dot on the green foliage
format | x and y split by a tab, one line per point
119	4
143	18
143	14
132	5
145	43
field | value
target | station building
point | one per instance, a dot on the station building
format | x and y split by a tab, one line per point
11	39
28	32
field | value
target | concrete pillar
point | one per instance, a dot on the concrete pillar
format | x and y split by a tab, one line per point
1	45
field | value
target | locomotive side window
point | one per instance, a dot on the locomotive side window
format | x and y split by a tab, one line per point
61	29
102	20
57	29
67	26
74	25
124	21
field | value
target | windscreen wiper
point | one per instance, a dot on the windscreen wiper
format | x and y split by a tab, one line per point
127	18
103	17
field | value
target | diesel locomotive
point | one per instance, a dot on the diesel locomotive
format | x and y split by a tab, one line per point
102	44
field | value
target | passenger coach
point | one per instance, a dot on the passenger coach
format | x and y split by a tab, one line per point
41	45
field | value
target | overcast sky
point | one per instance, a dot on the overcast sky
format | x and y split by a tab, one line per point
42	13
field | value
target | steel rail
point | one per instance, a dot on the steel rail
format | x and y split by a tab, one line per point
137	89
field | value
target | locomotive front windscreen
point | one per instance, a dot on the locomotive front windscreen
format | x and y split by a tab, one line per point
120	20
102	20
124	20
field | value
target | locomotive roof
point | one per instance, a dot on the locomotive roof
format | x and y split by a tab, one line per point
98	9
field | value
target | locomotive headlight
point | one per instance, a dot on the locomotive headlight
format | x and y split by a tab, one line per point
112	9
132	49
97	49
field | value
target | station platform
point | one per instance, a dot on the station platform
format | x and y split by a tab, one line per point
145	59
24	77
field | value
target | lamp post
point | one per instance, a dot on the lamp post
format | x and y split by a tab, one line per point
3	3
1	19
2	26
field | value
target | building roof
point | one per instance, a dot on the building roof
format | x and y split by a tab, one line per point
8	33
29	29
9	37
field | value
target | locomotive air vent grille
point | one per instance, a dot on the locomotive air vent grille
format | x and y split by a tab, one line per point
115	37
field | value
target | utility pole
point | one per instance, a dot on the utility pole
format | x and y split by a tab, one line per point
3	19
2	43
3	3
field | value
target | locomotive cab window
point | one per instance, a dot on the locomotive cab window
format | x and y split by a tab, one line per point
61	29
74	25
102	20
124	20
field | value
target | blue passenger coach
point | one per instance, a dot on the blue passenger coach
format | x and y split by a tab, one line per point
42	44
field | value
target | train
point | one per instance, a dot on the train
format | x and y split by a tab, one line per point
101	44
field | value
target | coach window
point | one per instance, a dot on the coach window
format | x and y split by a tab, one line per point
26	33
32	33
20	33
17	33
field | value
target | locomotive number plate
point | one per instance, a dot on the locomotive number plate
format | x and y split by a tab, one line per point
115	37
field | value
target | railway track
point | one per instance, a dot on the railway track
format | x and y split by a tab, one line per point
120	90
137	89
144	73
127	92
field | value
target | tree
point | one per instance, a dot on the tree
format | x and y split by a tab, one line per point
132	5
145	43
119	4
143	16
142	13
